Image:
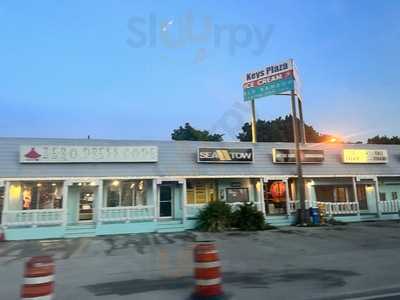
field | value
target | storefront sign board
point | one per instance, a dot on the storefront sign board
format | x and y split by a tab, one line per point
225	155
87	154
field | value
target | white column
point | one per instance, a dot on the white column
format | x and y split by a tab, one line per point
261	196
184	200
65	202
5	204
155	199
287	197
356	195
99	199
377	197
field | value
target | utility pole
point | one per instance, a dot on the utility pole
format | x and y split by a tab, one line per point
302	126
302	214
253	122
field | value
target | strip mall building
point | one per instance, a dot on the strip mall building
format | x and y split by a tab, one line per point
55	188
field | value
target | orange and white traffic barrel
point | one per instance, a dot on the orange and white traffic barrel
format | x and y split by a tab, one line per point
39	279
207	272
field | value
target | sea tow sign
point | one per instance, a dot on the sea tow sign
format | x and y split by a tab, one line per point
225	155
269	71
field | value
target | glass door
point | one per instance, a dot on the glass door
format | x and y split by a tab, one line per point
86	203
275	197
362	197
166	201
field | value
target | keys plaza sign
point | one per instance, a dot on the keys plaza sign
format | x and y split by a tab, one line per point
271	80
225	155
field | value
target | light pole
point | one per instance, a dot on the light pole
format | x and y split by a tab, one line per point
253	122
301	213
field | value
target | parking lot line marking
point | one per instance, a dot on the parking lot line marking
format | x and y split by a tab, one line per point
375	297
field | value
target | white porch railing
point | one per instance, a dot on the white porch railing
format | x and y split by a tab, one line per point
126	213
294	205
340	208
193	209
33	217
389	206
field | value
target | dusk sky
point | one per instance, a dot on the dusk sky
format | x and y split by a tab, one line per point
100	68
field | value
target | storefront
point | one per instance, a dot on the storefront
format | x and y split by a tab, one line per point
51	188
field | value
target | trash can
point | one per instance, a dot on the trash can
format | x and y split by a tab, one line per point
314	215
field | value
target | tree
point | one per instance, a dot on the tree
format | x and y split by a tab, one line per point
281	130
394	140
188	133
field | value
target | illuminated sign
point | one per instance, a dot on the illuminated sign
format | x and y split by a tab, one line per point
271	80
288	156
269	71
225	155
87	154
365	156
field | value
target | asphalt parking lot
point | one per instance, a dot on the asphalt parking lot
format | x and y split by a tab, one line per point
353	261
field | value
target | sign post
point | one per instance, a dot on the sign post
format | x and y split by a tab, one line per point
302	126
253	122
275	80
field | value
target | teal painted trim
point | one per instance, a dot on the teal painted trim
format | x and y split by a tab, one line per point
126	228
388	216
190	224
348	219
177	210
283	220
292	219
269	89
34	233
72	206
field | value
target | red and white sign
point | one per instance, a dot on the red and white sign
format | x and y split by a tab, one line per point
269	79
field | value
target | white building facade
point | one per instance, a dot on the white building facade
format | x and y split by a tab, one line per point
56	188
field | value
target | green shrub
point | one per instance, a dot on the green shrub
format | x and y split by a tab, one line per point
247	217
216	216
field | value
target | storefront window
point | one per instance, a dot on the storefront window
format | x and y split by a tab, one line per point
125	193
36	195
234	195
341	195
382	196
328	193
200	192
